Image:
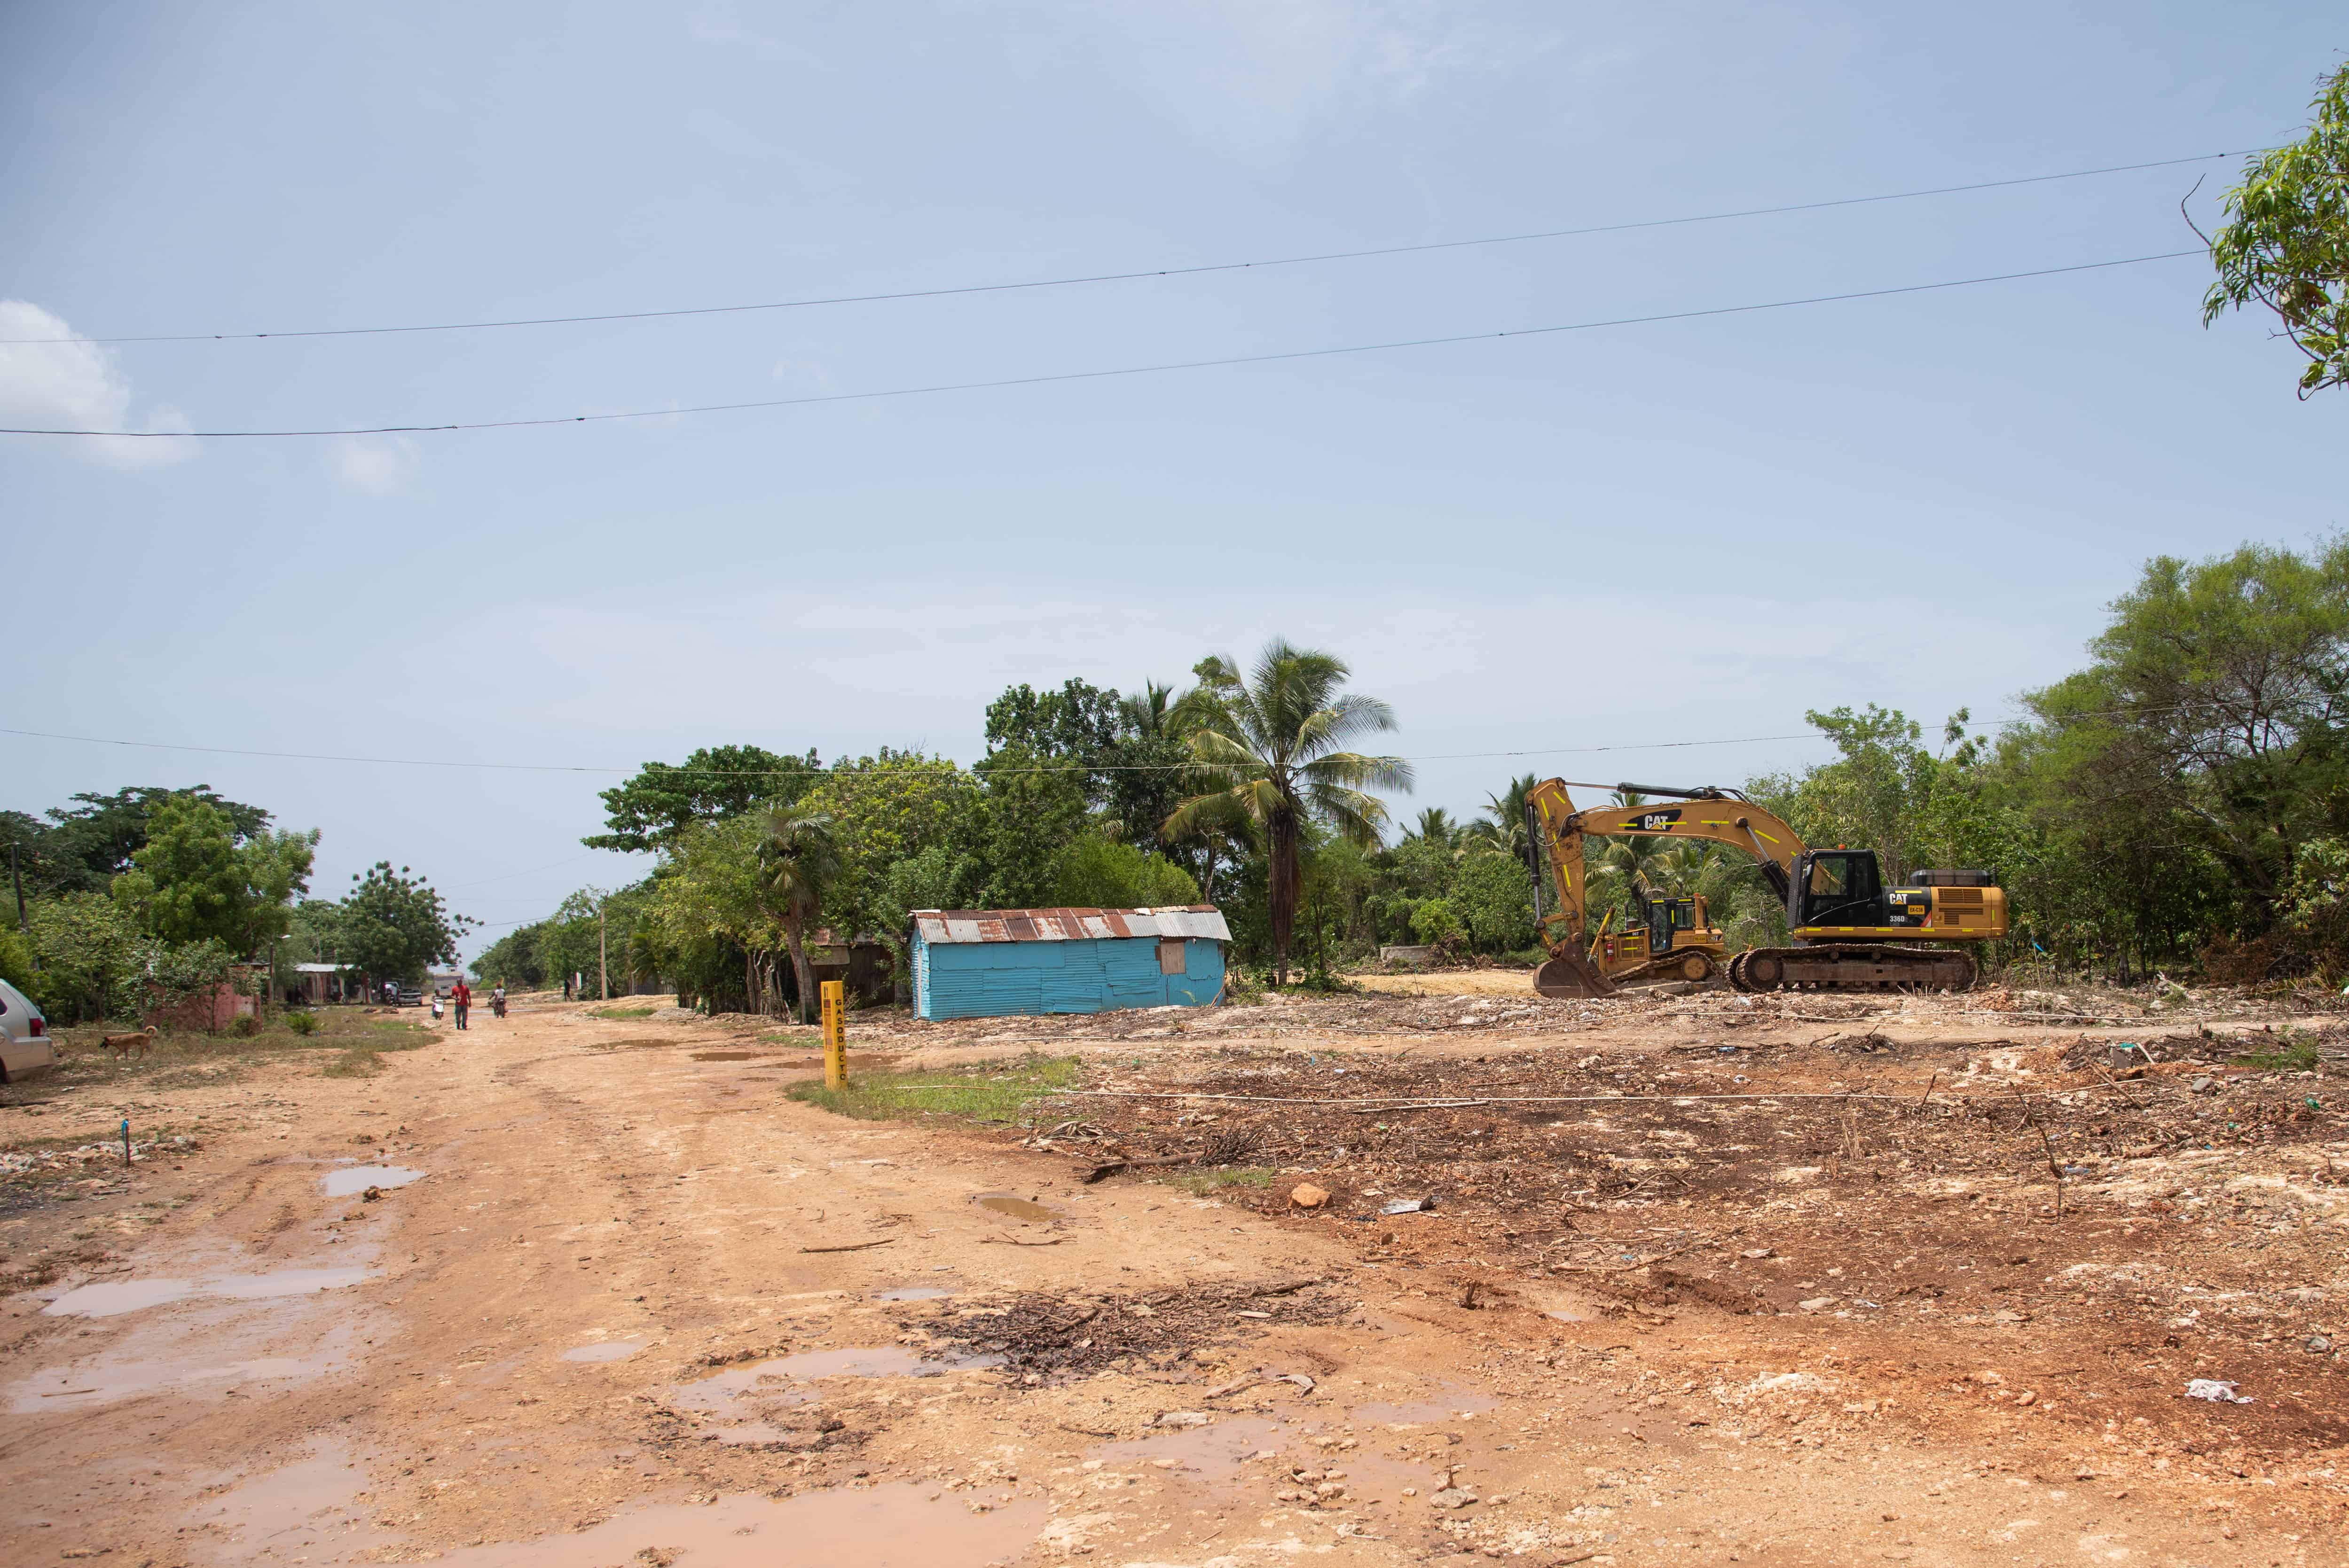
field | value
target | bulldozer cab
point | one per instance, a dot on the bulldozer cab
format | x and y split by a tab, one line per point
1836	887
1667	916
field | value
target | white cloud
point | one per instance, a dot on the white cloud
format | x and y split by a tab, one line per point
63	381
802	370
375	465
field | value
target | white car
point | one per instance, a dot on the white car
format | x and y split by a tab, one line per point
25	1045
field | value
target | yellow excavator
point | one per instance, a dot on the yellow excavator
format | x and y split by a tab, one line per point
1850	933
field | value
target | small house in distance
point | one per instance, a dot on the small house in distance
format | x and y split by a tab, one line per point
990	963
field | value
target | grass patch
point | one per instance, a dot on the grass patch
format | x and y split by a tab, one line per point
618	1015
2293	1053
356	1062
1207	1183
995	1091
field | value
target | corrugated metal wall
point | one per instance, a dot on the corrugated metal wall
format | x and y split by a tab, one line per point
994	979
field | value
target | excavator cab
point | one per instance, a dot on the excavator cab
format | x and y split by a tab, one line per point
1837	888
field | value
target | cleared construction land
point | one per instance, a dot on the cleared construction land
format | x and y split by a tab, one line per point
1704	1278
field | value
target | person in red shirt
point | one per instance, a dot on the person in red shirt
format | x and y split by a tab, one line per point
463	997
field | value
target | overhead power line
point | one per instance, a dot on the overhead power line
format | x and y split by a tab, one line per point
797	769
1067	376
943	291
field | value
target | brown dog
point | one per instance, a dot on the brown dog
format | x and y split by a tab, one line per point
123	1045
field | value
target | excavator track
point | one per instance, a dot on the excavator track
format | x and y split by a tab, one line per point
1852	967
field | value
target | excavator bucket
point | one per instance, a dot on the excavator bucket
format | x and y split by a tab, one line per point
1570	973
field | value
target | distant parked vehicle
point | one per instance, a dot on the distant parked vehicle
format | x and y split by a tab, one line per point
26	1047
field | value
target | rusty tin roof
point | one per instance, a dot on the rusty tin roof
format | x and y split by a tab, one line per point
1199	920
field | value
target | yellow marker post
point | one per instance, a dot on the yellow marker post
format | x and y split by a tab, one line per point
835	1036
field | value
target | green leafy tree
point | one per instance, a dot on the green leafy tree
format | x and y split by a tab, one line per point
2207	727
1029	809
196	879
184	882
883	810
1267	744
2286	242
90	962
2317	902
798	860
650	811
86	845
1099	874
593	934
1496	902
395	925
515	959
88	957
709	923
16	959
1437	924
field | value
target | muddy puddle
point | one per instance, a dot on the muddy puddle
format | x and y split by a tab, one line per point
310	1511
1019	1208
352	1179
1451	1404
746	1403
610	1350
898	1524
75	1389
1237	1452
111	1298
1213	1453
304	1511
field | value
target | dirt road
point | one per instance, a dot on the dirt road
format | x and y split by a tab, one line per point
586	1292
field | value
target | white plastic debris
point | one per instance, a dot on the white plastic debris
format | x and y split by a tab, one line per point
2212	1389
1409	1206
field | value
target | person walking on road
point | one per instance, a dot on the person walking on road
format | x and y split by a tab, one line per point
463	997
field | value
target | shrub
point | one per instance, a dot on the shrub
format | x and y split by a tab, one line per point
1094	873
1496	902
244	1025
1436	922
302	1022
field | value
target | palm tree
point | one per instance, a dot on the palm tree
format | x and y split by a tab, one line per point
1150	713
1436	826
797	861
1503	825
1268	744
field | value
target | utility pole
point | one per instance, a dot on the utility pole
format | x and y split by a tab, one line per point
603	967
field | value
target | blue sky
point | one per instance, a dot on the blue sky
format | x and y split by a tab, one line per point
1687	531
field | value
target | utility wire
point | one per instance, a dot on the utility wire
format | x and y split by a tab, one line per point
1120	371
946	292
798	768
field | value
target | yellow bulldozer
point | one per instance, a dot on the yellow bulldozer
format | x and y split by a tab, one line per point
1849	931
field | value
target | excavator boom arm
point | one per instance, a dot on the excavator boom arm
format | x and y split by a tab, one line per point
1713	814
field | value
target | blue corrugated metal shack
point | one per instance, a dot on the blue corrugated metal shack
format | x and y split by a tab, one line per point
990	962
